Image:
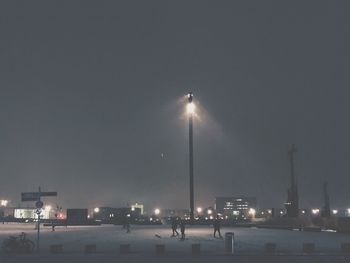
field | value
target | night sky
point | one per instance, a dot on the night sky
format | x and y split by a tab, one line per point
92	100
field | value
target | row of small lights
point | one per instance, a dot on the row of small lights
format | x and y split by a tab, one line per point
251	211
157	211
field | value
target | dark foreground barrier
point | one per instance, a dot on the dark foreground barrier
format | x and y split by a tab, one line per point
270	248
196	249
230	242
90	248
160	249
308	248
345	248
312	229
56	249
124	248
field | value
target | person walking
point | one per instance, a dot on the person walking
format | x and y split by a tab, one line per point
182	229
127	223
217	226
174	226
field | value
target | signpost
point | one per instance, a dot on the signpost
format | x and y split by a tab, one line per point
36	196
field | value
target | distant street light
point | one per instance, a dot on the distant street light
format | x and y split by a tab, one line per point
252	212
157	211
315	211
190	112
4	202
199	210
209	212
335	211
96	210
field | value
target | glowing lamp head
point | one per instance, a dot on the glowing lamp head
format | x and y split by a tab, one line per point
190	97
4	202
315	211
96	210
199	209
209	211
252	212
190	108
157	211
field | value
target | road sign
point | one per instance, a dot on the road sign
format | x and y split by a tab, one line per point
39	204
35	196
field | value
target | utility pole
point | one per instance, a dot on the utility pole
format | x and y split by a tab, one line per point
292	204
190	124
326	209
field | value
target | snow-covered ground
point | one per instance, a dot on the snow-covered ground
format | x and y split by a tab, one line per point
142	239
249	244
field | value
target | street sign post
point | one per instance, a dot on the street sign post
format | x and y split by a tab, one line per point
36	196
39	204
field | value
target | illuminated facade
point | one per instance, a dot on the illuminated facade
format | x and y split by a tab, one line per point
235	206
138	206
30	213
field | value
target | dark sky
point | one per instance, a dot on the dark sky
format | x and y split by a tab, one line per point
91	101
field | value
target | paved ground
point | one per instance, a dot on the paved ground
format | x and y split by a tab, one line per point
249	244
106	258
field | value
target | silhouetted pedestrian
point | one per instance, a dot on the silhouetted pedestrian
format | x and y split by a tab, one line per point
174	226
127	223
182	229
217	226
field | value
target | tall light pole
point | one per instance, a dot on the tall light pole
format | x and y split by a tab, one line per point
190	111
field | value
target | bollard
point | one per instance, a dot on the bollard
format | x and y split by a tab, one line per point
270	248
196	249
90	248
345	248
160	249
308	248
56	249
230	242
124	248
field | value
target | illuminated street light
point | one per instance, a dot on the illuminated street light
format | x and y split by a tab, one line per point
190	112
335	211
190	108
315	211
96	210
199	210
252	212
209	211
157	211
4	202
